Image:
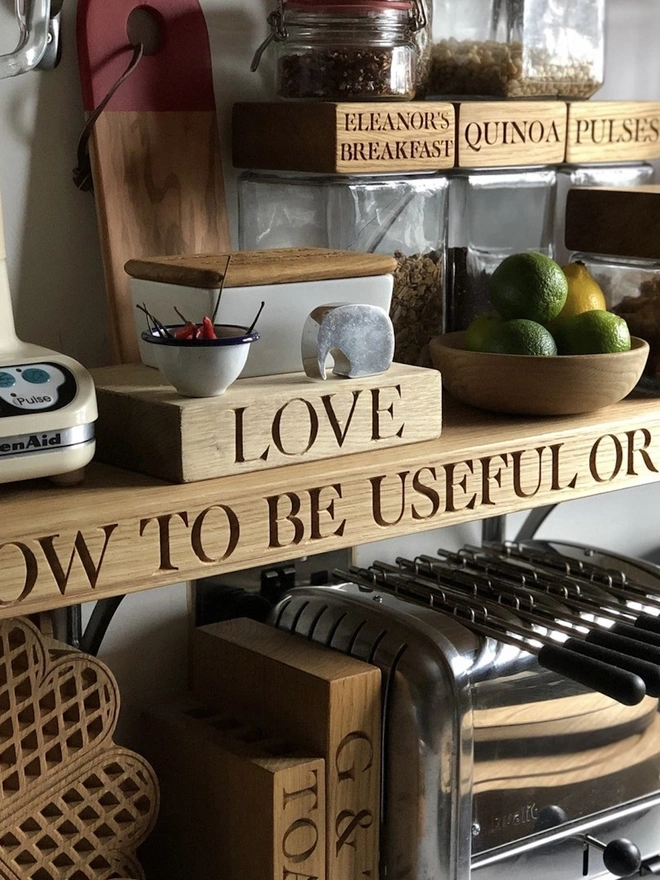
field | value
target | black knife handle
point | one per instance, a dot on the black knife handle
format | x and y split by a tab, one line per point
617	642
622	686
648	672
649	622
637	632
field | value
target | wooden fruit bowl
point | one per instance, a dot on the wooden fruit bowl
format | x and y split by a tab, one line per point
529	385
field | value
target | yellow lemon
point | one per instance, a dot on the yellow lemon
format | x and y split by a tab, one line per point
528	285
584	292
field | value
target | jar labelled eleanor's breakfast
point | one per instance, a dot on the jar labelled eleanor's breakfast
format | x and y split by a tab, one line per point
347	50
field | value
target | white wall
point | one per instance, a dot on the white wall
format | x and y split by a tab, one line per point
57	286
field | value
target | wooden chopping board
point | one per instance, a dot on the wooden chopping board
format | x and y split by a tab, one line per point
154	150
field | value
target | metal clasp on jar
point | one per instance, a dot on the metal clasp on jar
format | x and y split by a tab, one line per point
418	18
278	32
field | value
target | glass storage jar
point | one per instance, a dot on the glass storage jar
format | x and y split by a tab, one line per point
516	48
347	50
600	174
492	214
402	215
632	289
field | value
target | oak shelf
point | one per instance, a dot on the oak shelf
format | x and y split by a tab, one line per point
120	532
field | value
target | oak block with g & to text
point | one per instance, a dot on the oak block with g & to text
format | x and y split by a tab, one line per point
235	804
317	699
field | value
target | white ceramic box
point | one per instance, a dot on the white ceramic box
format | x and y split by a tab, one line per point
291	282
280	324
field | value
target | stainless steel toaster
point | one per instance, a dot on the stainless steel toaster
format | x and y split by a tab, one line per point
492	765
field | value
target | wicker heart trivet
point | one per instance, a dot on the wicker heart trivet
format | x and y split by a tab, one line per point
73	805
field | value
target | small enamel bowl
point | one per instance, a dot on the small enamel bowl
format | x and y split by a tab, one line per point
202	367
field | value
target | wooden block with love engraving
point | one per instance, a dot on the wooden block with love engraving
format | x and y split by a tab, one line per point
258	423
320	700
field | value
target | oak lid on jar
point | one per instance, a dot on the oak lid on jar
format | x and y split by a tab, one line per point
621	221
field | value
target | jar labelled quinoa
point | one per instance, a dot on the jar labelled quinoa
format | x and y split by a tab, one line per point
516	48
347	50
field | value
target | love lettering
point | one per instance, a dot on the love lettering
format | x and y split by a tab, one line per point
297	426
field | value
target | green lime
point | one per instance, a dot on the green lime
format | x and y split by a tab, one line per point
520	336
529	285
480	329
594	332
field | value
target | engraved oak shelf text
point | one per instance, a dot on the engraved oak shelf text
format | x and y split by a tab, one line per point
121	532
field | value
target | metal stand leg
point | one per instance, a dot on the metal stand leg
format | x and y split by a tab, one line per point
67	624
534	521
493	529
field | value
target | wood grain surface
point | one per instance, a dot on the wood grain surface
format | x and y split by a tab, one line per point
258	423
247	268
622	221
491	134
120	531
558	385
612	131
154	150
232	805
316	698
344	138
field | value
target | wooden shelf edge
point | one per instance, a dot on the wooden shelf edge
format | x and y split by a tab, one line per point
120	532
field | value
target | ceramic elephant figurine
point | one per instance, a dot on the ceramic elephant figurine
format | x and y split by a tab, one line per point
359	337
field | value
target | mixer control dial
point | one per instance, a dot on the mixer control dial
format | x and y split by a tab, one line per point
36	375
35	387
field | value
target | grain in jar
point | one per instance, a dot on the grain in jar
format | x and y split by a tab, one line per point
403	215
348	50
516	48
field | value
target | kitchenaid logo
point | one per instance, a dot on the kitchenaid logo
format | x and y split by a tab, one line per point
408	135
30	443
632	130
510	133
228	534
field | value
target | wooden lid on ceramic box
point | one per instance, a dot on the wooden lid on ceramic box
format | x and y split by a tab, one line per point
249	268
291	282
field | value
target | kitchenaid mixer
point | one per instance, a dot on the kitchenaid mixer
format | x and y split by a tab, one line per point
47	400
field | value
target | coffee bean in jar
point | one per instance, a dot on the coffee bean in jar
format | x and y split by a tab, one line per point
347	50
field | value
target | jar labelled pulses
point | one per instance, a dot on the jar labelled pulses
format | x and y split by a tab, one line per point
401	215
632	290
516	48
347	50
